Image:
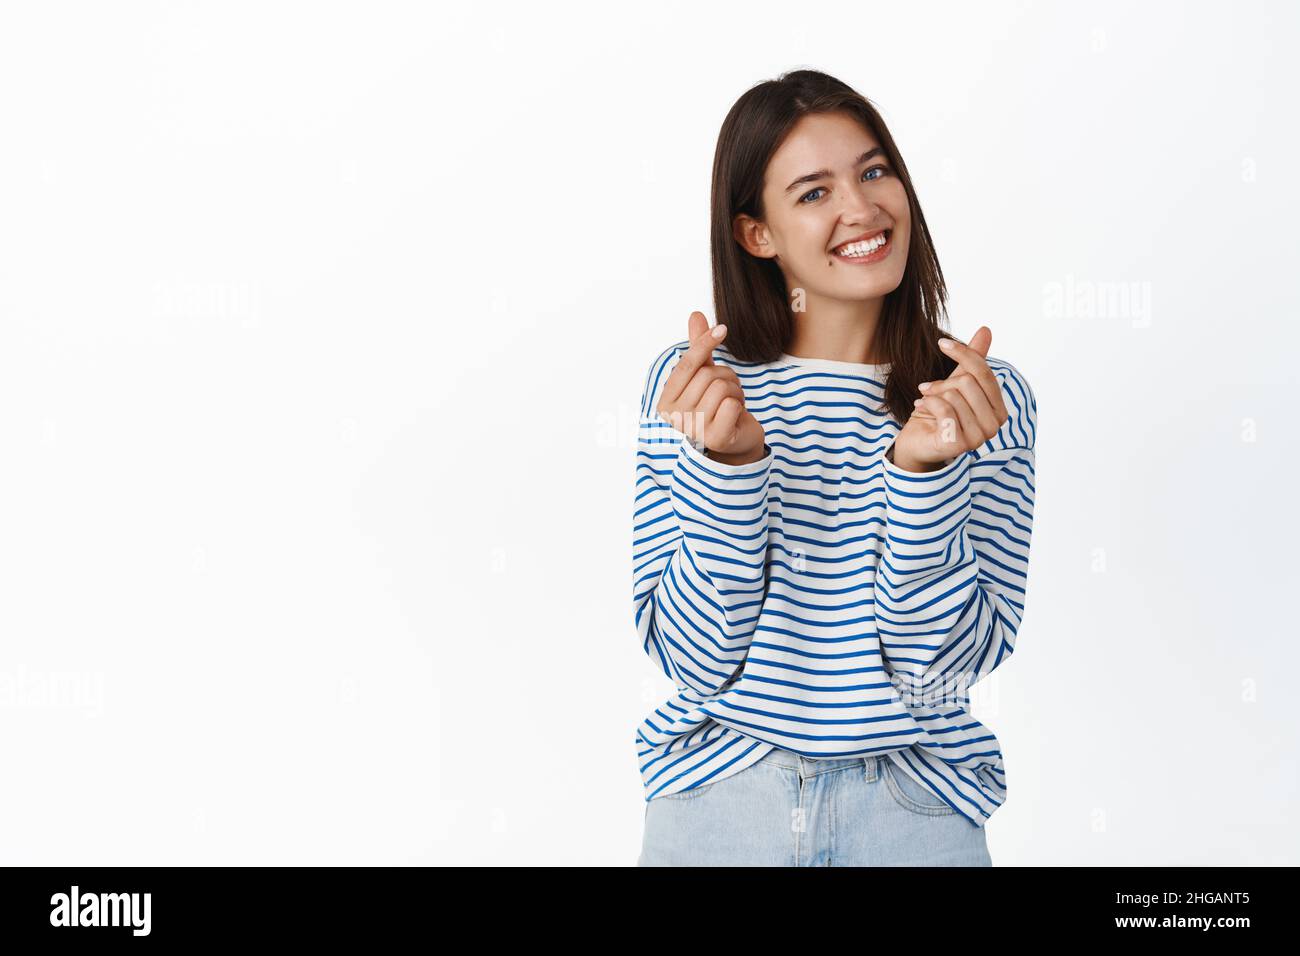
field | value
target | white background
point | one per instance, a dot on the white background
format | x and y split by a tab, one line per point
322	329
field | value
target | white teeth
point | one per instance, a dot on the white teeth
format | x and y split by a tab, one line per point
859	249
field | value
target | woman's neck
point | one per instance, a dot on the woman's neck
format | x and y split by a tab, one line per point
843	331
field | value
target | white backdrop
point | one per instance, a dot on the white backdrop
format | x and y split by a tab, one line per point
322	329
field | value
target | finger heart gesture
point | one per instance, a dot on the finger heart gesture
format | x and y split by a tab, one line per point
706	402
954	415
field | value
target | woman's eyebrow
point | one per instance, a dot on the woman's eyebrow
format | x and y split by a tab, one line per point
823	173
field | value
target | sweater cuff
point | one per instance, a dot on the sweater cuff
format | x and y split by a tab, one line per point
723	510
755	469
923	510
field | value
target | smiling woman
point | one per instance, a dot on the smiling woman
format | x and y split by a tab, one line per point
832	517
834	177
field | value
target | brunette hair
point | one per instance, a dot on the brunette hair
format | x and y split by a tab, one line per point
749	293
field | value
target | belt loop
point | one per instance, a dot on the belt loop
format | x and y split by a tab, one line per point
872	766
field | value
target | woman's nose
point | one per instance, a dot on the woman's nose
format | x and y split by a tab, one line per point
858	208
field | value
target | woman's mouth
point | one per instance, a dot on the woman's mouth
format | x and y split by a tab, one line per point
867	251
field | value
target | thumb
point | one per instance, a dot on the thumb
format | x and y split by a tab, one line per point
696	324
981	340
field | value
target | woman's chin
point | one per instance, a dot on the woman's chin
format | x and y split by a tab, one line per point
874	287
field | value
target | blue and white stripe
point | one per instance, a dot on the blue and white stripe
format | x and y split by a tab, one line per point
822	599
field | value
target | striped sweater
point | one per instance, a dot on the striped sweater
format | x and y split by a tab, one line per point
823	600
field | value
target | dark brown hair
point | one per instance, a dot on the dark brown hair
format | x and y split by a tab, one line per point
749	293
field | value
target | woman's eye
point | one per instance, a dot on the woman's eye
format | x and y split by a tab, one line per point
882	170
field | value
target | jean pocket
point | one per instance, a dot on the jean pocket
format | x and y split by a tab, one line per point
703	788
911	795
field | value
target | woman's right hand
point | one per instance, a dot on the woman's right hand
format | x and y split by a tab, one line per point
706	403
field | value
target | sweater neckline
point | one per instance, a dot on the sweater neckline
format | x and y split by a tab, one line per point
833	365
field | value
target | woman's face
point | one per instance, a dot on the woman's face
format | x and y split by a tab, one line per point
828	183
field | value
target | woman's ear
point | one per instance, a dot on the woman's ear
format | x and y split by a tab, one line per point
752	236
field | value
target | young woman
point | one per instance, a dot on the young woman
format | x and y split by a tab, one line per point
832	517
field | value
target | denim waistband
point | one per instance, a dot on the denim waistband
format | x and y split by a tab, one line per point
812	766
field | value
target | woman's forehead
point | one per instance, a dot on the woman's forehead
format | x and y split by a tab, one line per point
821	141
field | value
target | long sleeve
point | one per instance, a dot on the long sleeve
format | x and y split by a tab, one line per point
699	549
950	584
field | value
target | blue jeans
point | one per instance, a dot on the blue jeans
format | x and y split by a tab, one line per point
788	810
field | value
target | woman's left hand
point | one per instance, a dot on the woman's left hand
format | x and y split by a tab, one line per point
954	415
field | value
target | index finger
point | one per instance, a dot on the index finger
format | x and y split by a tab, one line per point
699	353
971	361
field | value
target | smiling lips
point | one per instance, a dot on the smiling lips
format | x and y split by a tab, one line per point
872	247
